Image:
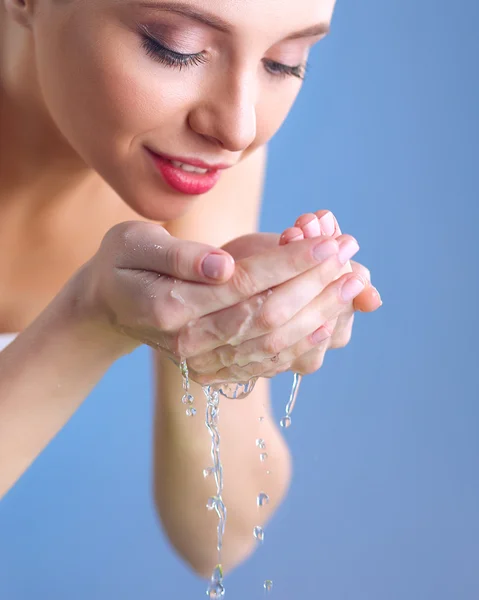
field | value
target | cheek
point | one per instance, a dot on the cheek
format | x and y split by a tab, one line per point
108	98
273	109
99	90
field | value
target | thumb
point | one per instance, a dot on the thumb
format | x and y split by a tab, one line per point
149	247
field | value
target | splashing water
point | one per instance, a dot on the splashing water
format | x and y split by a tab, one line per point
216	590
187	399
258	533
236	391
268	585
184	375
286	420
262	499
215	587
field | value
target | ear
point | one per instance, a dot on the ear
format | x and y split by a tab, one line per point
20	11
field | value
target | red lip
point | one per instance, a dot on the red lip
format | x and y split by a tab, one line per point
183	181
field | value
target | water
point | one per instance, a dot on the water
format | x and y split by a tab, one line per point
258	533
236	391
187	399
215	587
286	420
262	499
184	375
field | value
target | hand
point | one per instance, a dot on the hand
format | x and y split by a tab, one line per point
312	225
184	297
336	332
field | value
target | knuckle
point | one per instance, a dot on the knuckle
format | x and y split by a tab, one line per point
242	282
271	317
174	259
166	321
273	344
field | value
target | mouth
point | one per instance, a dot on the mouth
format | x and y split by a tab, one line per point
187	176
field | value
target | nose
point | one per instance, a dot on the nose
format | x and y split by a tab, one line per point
226	113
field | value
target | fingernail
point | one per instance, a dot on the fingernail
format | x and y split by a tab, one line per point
214	266
296	238
320	335
347	249
351	289
327	224
324	250
312	229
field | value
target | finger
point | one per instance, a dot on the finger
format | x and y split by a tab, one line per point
295	338
361	270
342	330
264	313
149	247
310	362
292	234
309	225
310	324
209	326
328	222
369	300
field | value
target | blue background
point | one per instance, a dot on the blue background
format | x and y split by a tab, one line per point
385	496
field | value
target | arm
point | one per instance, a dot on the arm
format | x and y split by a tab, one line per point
45	374
182	444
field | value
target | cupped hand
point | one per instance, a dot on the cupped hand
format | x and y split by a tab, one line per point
338	331
292	346
146	286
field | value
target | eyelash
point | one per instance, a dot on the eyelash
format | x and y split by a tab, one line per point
180	61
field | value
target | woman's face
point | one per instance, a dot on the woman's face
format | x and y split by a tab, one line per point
205	82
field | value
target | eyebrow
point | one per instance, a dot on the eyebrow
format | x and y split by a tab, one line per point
217	23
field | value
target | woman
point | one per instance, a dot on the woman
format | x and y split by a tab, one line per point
132	153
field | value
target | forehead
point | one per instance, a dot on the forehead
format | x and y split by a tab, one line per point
275	17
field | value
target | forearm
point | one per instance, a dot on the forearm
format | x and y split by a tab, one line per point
182	451
45	374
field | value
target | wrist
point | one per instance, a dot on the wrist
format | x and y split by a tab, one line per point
75	308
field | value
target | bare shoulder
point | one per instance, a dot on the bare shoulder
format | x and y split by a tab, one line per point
231	209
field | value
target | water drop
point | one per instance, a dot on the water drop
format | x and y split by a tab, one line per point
211	504
263	456
187	399
262	499
216	590
258	533
285	422
261	419
207	472
174	294
268	472
191	412
268	585
260	443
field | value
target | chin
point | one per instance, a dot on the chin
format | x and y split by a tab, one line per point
160	206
